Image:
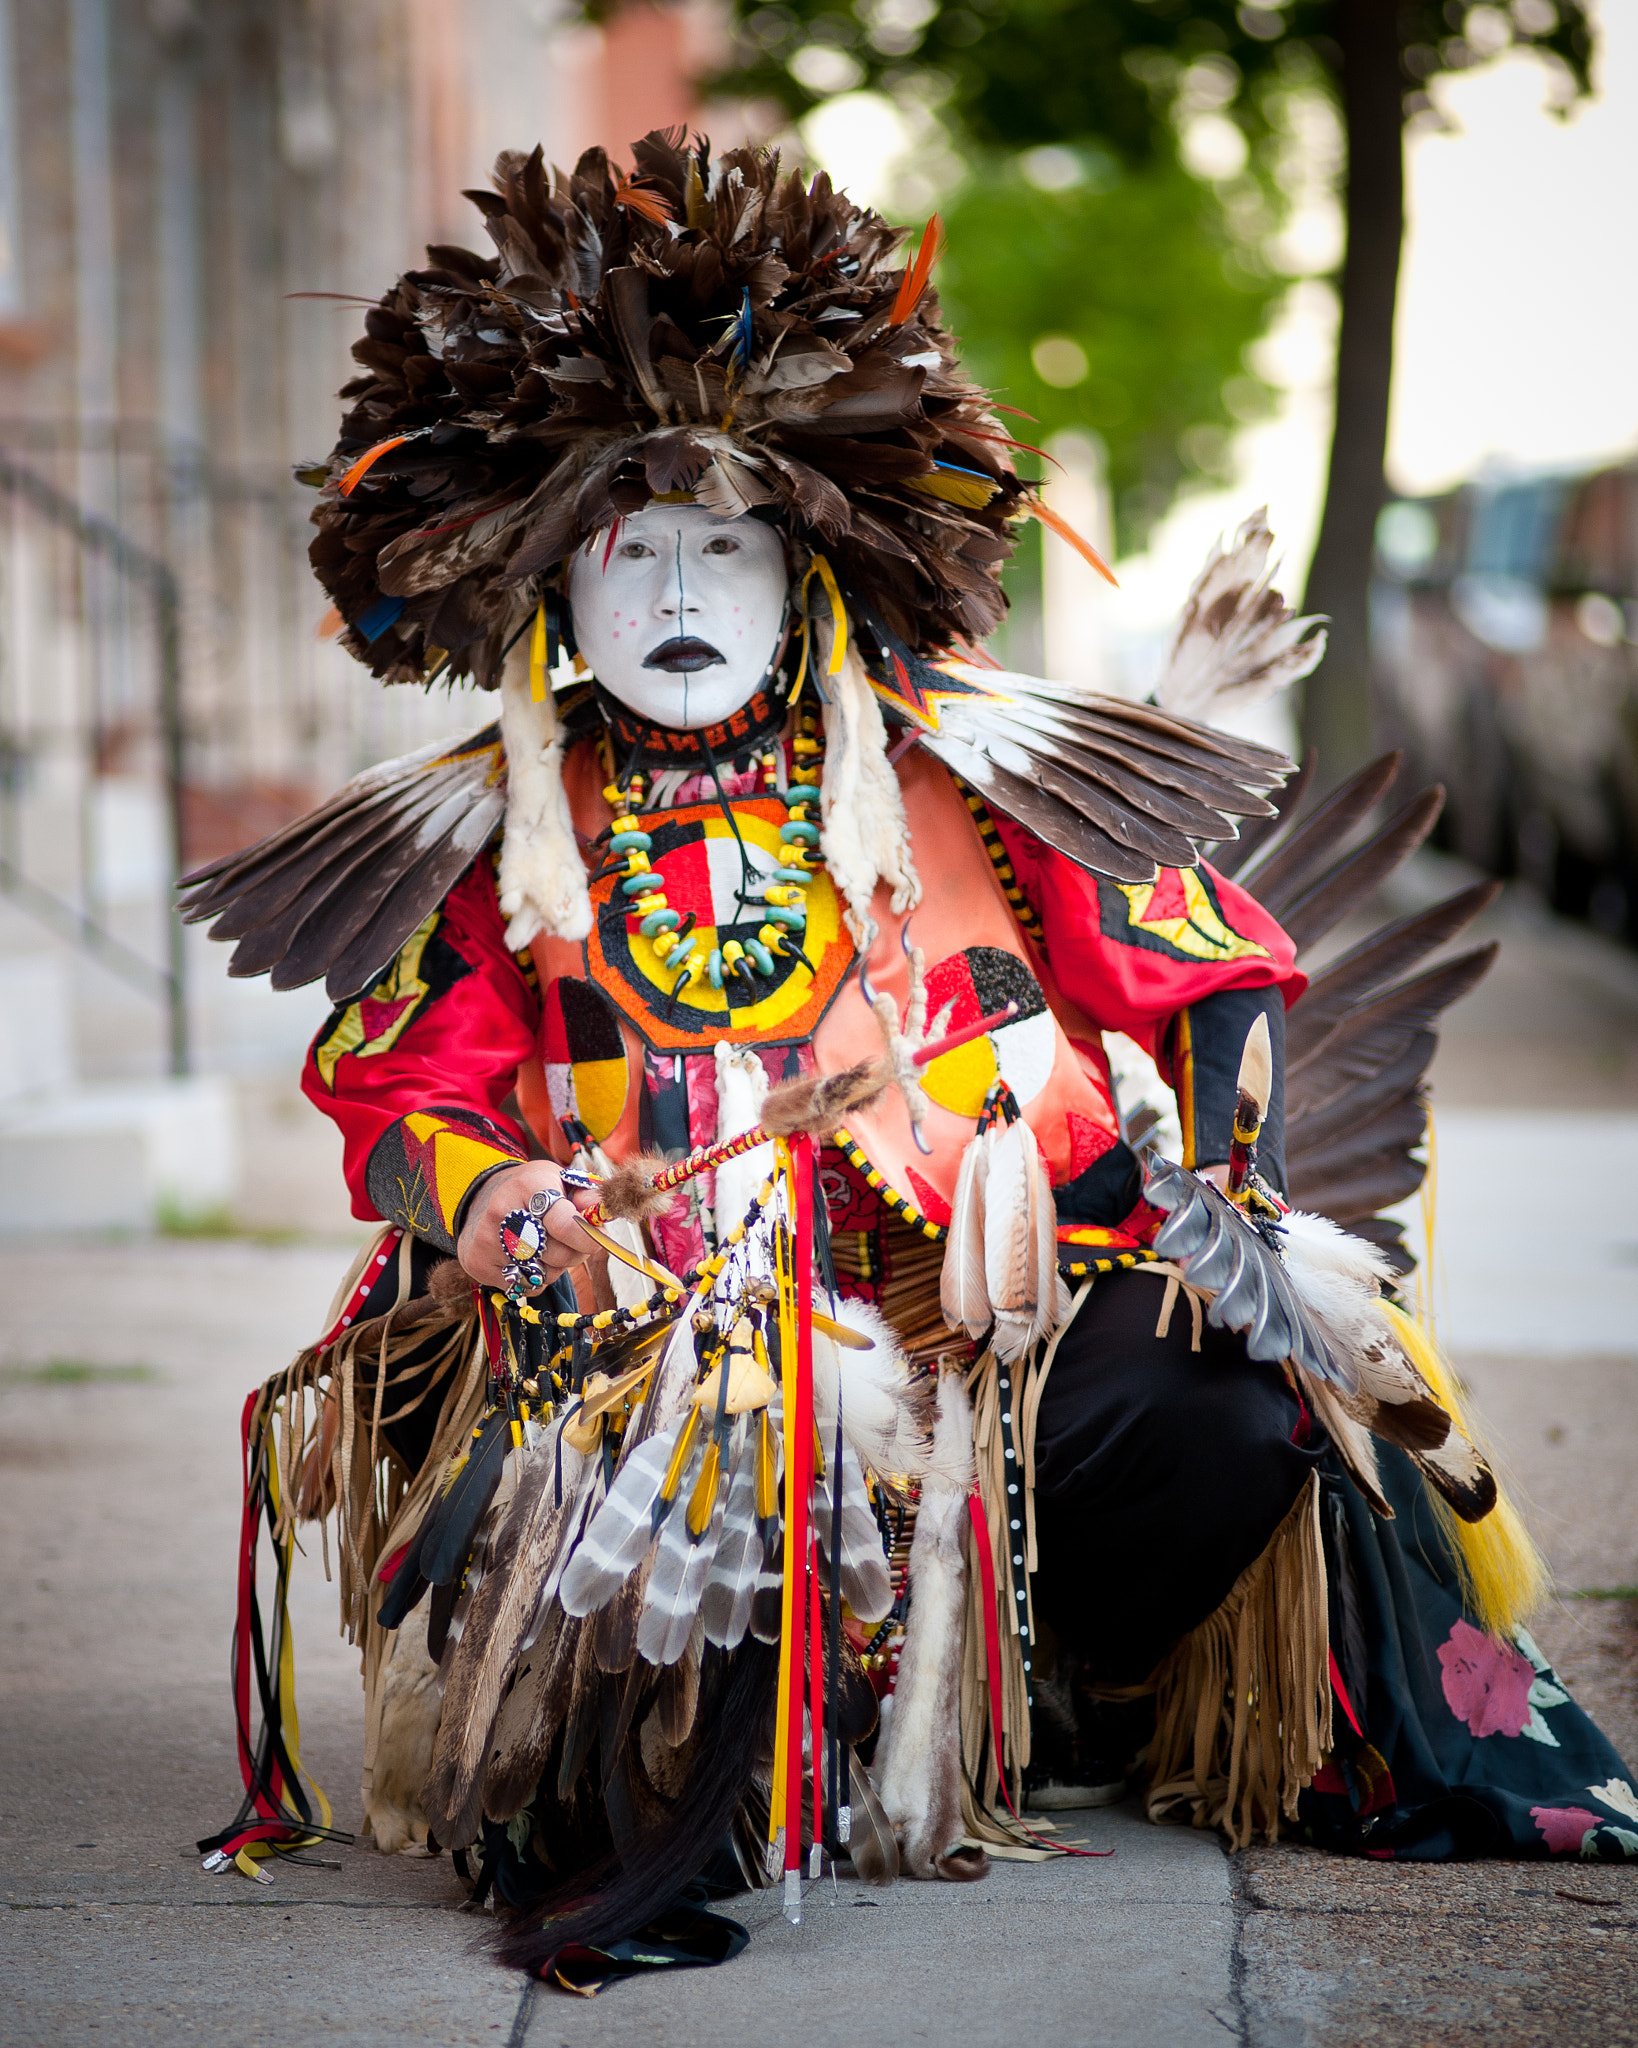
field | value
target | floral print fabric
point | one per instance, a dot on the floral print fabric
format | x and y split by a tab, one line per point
1486	1751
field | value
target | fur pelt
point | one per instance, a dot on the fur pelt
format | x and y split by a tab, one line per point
919	1772
542	881
814	1105
864	835
628	1192
411	1702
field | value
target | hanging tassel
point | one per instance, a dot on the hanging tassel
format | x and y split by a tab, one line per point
795	1276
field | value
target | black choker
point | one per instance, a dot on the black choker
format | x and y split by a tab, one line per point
637	743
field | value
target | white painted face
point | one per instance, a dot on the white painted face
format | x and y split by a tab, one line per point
685	619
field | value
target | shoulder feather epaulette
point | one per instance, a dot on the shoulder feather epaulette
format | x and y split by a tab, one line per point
1121	788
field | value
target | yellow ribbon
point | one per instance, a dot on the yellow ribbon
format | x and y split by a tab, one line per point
537	656
838	611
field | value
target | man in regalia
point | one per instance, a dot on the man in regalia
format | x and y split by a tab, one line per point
776	1307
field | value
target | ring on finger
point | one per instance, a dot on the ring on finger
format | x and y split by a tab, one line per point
523	1239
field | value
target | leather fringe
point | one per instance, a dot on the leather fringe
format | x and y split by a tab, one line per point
1243	1704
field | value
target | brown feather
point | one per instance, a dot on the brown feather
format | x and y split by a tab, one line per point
486	1655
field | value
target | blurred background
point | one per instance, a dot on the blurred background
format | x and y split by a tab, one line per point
1368	262
1368	265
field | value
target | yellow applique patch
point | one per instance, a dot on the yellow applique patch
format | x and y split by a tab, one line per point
1176	908
374	1022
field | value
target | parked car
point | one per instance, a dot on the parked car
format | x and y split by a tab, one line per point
1504	621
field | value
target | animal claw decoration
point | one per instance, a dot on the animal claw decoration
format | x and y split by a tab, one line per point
710	328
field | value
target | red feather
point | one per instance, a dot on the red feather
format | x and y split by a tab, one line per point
914	282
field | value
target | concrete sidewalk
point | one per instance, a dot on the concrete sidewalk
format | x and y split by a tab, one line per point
119	1409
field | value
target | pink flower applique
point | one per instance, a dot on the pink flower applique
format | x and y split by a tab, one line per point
1487	1684
1564	1826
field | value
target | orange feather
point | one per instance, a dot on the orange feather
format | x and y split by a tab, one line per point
638	196
354	476
1065	532
914	282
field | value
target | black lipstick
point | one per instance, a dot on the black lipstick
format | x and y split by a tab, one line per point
683	656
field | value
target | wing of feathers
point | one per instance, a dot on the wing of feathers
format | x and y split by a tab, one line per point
1220	1252
1122	789
1236	640
1360	1039
338	892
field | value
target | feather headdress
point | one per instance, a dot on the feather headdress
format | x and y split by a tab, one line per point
712	330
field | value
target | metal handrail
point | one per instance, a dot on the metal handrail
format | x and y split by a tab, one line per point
101	537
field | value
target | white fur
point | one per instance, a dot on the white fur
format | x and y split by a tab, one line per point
542	879
411	1701
1339	1278
742	1088
864	835
919	1773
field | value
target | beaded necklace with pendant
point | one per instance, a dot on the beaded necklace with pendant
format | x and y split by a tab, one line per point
673	937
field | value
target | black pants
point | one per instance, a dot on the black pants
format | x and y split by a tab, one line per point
1161	1473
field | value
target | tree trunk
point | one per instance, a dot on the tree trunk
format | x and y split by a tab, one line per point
1336	714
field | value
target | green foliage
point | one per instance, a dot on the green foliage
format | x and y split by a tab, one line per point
1135	271
1016	73
76	1372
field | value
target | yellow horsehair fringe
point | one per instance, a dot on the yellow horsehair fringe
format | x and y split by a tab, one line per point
1502	1575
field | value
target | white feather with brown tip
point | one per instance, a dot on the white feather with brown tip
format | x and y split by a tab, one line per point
1236	640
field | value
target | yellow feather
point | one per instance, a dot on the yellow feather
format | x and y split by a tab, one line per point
767	1472
679	1457
704	1497
971	492
1503	1576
